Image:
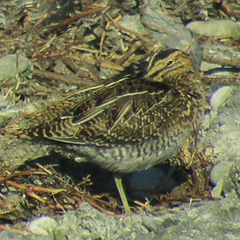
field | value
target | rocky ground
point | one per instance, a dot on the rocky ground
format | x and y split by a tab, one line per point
52	48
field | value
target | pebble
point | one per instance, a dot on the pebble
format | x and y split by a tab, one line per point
219	171
12	65
216	28
218	98
42	225
152	180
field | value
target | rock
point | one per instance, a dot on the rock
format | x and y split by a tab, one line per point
216	28
150	181
219	174
89	223
13	67
133	22
42	226
171	31
218	98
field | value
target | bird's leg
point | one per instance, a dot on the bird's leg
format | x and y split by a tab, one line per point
118	181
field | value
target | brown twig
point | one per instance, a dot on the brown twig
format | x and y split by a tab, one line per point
64	78
73	19
3	227
95	205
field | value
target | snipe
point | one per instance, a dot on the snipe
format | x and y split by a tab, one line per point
131	123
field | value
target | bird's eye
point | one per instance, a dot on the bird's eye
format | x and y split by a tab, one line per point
169	63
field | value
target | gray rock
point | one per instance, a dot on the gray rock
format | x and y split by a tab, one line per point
13	67
216	28
171	31
220	171
133	22
42	226
223	133
218	98
89	223
153	180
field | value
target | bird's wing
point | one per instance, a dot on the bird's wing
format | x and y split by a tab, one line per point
127	110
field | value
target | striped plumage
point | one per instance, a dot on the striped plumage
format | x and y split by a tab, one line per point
133	122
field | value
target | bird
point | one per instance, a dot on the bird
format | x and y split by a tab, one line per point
131	122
